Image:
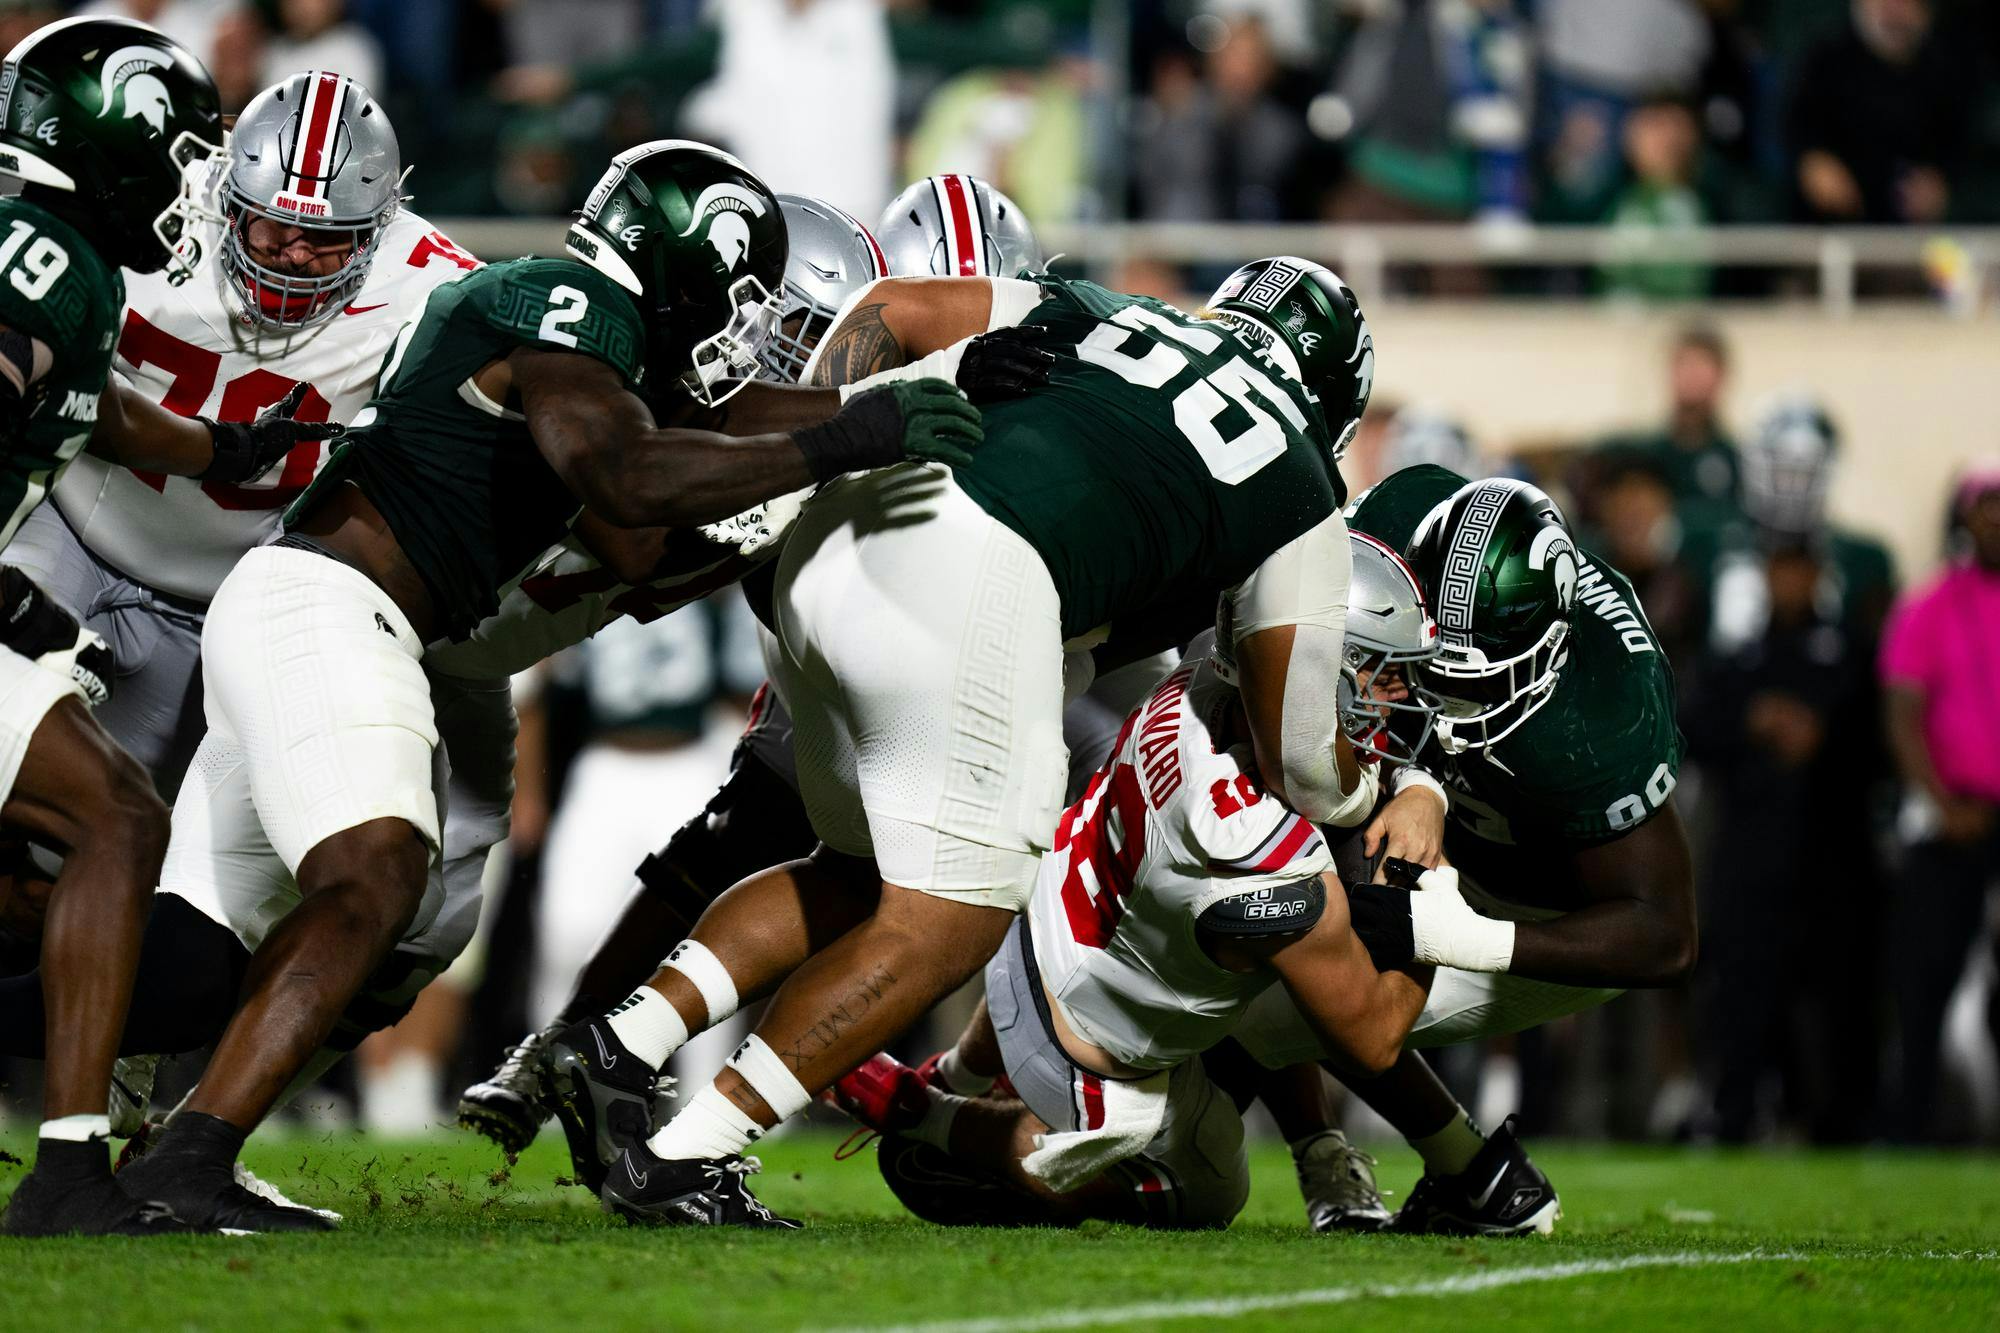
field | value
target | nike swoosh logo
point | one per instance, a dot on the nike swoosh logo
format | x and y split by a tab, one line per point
1479	1200
362	309
638	1177
604	1055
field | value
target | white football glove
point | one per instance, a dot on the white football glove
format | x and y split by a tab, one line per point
1448	933
755	529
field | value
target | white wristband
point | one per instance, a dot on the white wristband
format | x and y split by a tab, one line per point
1409	775
1446	931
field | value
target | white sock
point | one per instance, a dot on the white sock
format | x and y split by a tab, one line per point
1449	1151
650	1027
77	1128
935	1127
952	1071
710	1126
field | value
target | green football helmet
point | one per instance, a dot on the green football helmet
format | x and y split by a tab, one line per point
1303	318
1501	570
700	243
114	126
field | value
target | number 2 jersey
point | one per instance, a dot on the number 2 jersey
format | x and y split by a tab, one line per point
1171	825
1597	760
54	289
1160	465
192	349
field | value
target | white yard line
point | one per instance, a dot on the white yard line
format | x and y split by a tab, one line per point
1230	1307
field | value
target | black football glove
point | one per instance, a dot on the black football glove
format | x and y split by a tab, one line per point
245	450
33	625
1006	363
1381	917
921	419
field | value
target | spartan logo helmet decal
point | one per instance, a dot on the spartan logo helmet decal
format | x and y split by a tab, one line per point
1364	351
1552	550
722	206
129	70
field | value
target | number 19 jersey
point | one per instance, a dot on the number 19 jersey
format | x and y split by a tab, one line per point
1161	464
54	289
1171	825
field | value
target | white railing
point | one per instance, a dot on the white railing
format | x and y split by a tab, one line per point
1363	254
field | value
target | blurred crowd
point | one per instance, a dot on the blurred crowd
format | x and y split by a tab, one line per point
1639	113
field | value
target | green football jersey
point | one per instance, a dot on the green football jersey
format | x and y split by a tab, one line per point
1597	760
55	289
457	476
1161	464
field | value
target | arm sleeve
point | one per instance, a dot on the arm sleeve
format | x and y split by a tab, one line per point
1304	583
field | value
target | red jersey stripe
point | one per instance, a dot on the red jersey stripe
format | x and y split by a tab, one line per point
1093	1101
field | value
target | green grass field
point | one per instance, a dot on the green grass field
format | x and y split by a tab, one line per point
438	1237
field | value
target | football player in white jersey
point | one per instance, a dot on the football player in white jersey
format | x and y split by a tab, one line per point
1178	890
309	264
309	267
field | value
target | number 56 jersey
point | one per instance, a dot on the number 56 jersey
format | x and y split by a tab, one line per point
1163	462
1173	824
192	349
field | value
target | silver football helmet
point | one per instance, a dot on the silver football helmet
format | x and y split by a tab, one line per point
1787	465
316	152
1389	629
957	226
832	257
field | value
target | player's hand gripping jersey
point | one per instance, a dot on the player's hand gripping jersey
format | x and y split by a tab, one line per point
193	350
1597	760
1164	461
1171	827
55	290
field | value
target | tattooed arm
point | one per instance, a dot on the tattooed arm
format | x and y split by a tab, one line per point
895	321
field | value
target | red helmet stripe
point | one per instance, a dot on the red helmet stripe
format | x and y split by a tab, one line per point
961	218
329	91
875	249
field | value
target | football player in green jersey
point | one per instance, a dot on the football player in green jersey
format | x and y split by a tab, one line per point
590	393
105	122
1169	462
1569	876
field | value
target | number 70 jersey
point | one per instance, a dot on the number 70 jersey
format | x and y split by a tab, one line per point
191	349
1160	465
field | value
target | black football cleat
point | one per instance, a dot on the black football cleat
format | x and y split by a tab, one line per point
205	1192
94	1207
687	1192
603	1096
944	1190
1502	1193
510	1105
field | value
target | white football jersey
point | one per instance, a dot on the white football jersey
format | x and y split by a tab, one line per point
1171	825
567	596
193	349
